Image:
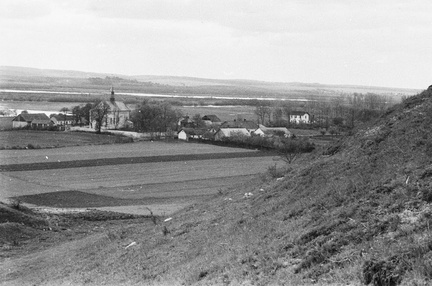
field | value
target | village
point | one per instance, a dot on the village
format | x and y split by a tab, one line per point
114	115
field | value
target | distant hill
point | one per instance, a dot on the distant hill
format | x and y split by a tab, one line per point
23	77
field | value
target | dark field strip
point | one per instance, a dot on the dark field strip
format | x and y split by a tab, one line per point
128	160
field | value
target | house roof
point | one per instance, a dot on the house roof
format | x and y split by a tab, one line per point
240	124
30	117
272	130
227	132
114	104
117	105
193	131
41	121
211	117
61	117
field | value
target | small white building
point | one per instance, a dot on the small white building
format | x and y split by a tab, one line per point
191	133
272	131
62	120
300	117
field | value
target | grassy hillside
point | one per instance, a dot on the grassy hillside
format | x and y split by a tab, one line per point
357	212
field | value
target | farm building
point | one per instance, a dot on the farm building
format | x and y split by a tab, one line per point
118	114
188	133
6	122
272	131
250	126
212	119
36	121
300	117
230	132
61	120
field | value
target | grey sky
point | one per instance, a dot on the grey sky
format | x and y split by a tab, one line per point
380	43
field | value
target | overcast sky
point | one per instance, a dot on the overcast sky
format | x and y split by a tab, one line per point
379	43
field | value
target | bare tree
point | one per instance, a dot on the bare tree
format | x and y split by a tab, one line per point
197	119
277	116
262	112
99	114
289	148
64	110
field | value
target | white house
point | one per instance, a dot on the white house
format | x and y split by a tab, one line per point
230	132
272	131
118	114
188	133
62	120
300	117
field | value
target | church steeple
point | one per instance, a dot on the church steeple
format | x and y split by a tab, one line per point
112	99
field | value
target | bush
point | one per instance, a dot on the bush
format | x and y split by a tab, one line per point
289	148
426	195
274	172
123	139
15	204
387	272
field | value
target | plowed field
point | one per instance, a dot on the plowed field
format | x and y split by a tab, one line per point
132	177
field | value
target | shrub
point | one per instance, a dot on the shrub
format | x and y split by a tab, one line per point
274	172
387	272
426	195
15	204
289	148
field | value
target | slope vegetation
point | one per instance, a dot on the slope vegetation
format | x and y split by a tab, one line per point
358	212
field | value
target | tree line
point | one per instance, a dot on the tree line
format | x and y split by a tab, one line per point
345	110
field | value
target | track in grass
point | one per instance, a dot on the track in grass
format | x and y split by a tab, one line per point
78	199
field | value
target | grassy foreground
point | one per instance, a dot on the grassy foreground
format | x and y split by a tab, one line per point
357	213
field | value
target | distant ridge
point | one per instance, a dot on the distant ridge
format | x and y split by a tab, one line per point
14	71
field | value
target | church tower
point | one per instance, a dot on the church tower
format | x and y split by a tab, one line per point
112	99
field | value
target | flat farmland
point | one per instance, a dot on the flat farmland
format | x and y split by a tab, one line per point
51	139
130	150
162	186
136	174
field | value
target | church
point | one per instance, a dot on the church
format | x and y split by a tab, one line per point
118	115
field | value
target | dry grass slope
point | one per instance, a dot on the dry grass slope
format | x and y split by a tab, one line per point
360	213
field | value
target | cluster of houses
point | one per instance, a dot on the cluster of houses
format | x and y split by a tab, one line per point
218	130
118	116
41	121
